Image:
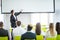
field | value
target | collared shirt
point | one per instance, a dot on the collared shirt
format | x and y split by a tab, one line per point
18	31
28	36
14	16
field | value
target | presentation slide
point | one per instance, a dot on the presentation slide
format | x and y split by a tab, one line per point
28	5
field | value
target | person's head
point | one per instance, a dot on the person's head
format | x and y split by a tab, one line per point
29	28
1	24
12	12
18	23
58	27
51	29
51	26
38	29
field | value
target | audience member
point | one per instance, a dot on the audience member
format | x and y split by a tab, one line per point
58	27
13	18
38	30
28	34
51	32
3	32
18	31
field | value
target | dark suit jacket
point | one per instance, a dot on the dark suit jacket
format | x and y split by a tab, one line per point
4	33
28	35
13	20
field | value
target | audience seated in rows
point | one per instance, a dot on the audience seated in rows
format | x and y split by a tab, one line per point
28	35
51	32
3	32
18	31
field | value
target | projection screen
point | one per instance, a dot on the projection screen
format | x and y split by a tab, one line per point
28	5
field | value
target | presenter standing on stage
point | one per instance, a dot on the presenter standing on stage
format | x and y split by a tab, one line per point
13	18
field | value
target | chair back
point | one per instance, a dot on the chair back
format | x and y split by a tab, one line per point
51	38
29	39
3	38
17	38
58	37
39	37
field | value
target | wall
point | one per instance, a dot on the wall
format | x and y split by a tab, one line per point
25	18
56	17
6	21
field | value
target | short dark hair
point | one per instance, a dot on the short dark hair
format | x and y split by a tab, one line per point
12	11
18	23
1	24
29	28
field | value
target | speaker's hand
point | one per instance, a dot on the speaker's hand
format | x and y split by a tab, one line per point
21	10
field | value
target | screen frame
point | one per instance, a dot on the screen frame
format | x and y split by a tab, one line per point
30	12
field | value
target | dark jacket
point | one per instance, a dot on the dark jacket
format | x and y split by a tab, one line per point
13	20
4	33
28	35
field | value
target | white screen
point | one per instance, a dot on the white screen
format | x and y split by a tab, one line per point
27	5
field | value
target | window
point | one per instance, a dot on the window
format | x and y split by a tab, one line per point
35	18
43	18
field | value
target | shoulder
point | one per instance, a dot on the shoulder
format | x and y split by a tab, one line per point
55	32
4	30
32	33
15	29
48	33
24	34
11	16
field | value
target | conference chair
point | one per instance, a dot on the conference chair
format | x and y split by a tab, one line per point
17	38
58	37
29	39
3	38
39	37
51	38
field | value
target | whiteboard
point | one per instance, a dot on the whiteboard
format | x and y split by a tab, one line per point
28	5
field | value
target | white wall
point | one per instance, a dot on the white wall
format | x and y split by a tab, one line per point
1	15
56	17
6	21
25	18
